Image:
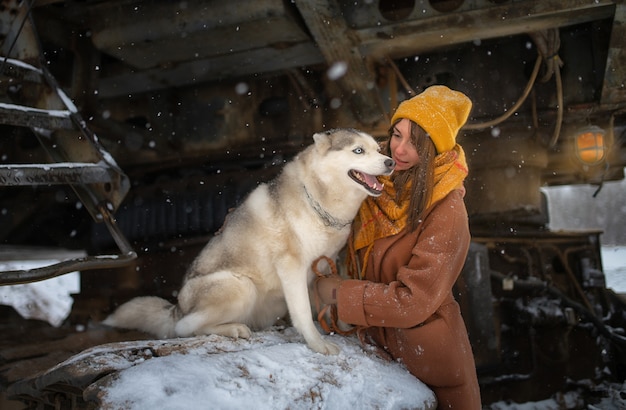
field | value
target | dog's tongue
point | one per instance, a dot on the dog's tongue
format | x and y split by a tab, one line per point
372	182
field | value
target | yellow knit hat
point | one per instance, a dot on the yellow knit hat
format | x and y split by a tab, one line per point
440	111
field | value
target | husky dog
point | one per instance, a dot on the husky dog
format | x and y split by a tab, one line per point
258	267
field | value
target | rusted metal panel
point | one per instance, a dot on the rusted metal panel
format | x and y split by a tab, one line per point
138	32
414	36
338	46
614	89
202	70
17	41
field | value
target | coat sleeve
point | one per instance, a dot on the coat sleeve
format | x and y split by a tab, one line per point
422	285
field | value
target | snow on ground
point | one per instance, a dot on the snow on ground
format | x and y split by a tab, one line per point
273	369
570	400
49	300
614	264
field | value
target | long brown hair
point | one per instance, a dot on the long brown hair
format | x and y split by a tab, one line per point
421	176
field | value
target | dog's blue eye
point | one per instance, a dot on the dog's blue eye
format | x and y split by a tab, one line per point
358	150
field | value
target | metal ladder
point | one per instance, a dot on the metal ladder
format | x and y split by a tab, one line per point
79	159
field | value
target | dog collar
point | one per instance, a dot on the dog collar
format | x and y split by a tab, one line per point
326	217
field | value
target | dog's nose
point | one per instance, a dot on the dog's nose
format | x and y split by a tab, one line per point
390	163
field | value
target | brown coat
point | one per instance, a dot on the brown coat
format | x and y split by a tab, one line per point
407	304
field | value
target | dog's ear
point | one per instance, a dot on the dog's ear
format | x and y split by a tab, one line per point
322	141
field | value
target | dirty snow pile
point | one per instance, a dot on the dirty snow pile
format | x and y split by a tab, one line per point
273	369
48	300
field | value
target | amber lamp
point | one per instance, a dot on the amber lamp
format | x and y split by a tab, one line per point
589	145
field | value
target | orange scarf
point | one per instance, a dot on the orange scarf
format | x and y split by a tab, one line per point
382	216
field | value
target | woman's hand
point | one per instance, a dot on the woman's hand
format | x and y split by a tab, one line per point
326	289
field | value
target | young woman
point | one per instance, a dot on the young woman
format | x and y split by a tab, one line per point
408	247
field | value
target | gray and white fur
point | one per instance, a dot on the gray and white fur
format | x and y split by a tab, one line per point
259	267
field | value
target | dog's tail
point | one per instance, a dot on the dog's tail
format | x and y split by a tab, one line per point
149	314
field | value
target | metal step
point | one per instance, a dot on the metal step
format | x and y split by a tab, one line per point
54	174
22	116
125	257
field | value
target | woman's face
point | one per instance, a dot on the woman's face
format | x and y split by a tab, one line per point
402	149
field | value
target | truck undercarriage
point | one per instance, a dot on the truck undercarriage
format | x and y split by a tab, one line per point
129	128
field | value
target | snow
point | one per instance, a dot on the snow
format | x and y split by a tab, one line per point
273	369
49	300
49	166
67	101
52	113
614	264
569	401
20	63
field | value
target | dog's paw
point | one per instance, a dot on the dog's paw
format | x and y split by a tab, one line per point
235	330
325	347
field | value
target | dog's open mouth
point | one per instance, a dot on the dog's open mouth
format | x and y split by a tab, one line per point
368	181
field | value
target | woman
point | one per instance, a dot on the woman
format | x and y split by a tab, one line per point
408	247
